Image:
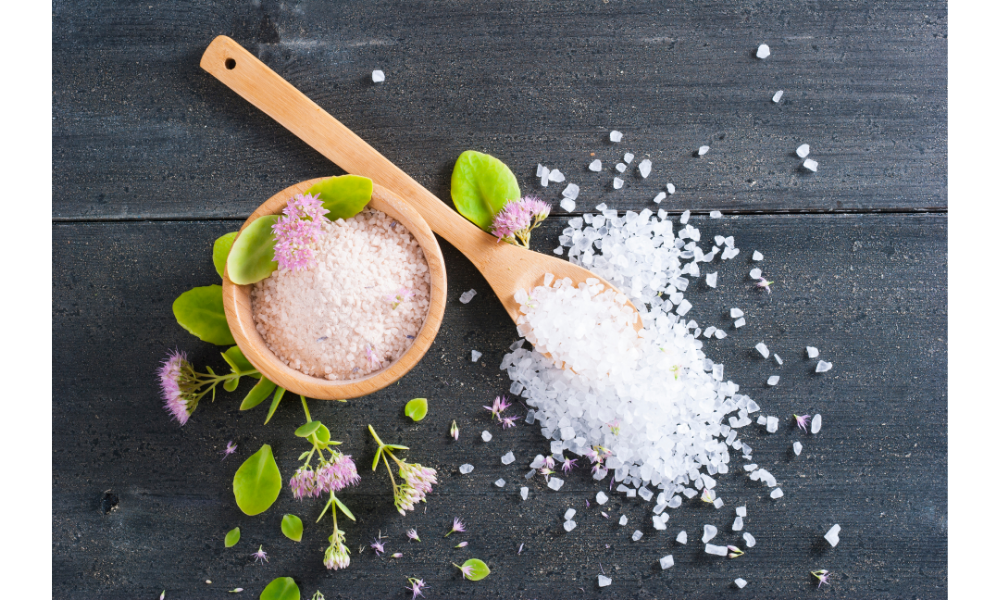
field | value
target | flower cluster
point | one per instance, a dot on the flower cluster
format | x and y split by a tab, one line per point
416	481
182	388
330	476
515	222
501	404
597	454
337	556
297	231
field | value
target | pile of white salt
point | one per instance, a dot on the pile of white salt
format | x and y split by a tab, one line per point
356	308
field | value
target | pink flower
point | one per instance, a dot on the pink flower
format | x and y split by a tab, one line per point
303	483
230	449
763	283
401	295
500	404
514	223
412	534
823	575
260	556
802	422
508	422
550	462
466	570
378	547
454	430
175	386
297	231
462	544
568	465
417	483
372	356
337	475
456	527
337	556
416	585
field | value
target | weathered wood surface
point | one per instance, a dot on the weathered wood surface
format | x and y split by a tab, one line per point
139	131
141	505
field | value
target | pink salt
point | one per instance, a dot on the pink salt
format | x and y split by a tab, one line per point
356	309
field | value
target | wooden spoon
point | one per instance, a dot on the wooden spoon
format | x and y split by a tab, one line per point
506	267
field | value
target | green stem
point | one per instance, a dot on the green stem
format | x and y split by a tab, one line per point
387	468
378	440
305	407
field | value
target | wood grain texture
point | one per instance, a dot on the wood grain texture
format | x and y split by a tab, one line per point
140	504
139	131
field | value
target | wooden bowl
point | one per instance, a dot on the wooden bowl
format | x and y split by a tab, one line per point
239	313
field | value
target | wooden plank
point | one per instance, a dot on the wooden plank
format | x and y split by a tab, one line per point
141	505
140	131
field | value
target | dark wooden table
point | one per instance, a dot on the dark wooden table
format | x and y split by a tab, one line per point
153	159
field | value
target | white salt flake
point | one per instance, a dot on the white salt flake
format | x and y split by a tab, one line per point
620	167
773	379
667	561
595	166
755	273
636	535
555	483
817	423
802	151
735	313
378	76
812	352
741	511
618	183
556	176
616	136
645	167
757	255
545	177
777	96
749	539
465	469
572	191
772	424
685	216
711	279
716	550
703	150
623	521
822	366
778	360
740	582
569	526
539	170
659	197
797	448
559	249
628	157
601	497
682	537
709	533
810	165
720	334
715	215
487	436
683	307
466	297
603	581
476	356
500	482
763	51
717	503
833	536
570	513
524	493
671	189
762	420
507	458
777	493
567	205
737	523
762	348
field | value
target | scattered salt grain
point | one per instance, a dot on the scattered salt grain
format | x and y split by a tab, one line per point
487	436
822	366
465	469
716	550
659	197
682	537
500	482
601	497
603	581
773	379
772	424
645	494
778	360
737	523
720	334
628	157
817	423
712	279
570	513
755	273
735	313
703	150
810	165
671	189
507	458
812	352
572	191
569	526
763	51
740	582
717	503
762	420
833	536
556	176
545	177
595	166
466	297
618	183
667	561
660	522
616	136
524	493
757	255
715	215
685	217
645	167
777	96
620	167
741	511
636	535
623	521
749	539
555	483
762	348
709	533
567	205
802	151
777	493
797	448
538	462
378	76
476	356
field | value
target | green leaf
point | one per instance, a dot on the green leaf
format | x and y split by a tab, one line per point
291	526
258	394
238	362
232	537
278	395
252	256
378	455
480	187
322	436
257	482
343	508
416	409
479	569
282	588
308	429
231	384
343	196
325	508
200	311
220	251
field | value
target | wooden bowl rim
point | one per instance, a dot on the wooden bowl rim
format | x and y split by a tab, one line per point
239	312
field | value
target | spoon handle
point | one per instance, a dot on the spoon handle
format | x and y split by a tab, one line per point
242	72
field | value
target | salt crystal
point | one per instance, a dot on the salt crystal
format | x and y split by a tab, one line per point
570	513
802	151
500	482
773	379
603	581
762	348
636	535
601	497
558	251
618	183
378	76
465	469
569	526
682	537
749	539
833	536
757	255
810	165
716	550
645	494
715	214
539	170
538	462
524	493
709	533
777	493
703	150
507	458
712	279
812	352
752	406
667	561
659	197
620	167
762	420
530	474
717	503
567	205
660	522
670	188
466	297
817	423
763	51
777	96
616	136
487	436
797	448
476	356
555	483
645	167
737	523
709	332
595	166
720	334
556	176
630	493
545	177
755	273
572	191
685	216
740	582
623	521
741	511
822	366
778	360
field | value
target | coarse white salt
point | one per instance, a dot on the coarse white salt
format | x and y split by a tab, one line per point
778	360
659	197
683	307
667	561
465	469
740	582
812	352
709	533
645	167
773	379
378	76
671	189
572	191
555	483
636	535
685	216
545	177
711	279
802	151
720	334
777	96
466	297
682	537
559	250
762	348
530	474
618	183
709	332
645	494
777	493
507	458
757	255
616	136
556	176
660	522
567	205
737	523
569	526
620	167
716	550
741	511
833	536
601	497
703	150
715	214
810	165
755	273
595	166
524	493
623	521
772	424
717	503
749	539
822	366
487	436
628	157
817	423
797	448
353	311
570	513
763	51
500	482
762	420
603	581
476	356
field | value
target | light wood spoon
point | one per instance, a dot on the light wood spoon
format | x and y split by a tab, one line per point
506	267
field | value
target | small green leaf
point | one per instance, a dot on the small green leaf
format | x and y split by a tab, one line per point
278	395
282	588
322	436
231	384
479	569
378	455
291	526
258	394
395	447
308	429
220	251
232	537
238	362
304	455
480	187
416	409
325	508
200	311
252	256
343	508
257	482
343	196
